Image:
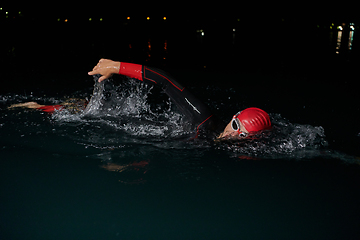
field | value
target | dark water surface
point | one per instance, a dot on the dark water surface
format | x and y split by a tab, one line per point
125	171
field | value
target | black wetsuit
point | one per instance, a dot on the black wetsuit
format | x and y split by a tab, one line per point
195	110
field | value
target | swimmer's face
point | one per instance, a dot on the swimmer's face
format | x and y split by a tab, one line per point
229	133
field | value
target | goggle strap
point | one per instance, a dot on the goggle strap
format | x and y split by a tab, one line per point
237	114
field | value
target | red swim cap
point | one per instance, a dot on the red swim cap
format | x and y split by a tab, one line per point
254	119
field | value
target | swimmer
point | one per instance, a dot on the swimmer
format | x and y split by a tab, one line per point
244	123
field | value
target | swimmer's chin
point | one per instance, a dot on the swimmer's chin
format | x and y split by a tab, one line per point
226	136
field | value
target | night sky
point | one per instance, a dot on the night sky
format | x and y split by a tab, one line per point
61	39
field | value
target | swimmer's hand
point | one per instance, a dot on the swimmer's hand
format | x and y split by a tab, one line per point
106	68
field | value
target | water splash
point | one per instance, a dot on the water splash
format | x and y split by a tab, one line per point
95	101
120	113
284	140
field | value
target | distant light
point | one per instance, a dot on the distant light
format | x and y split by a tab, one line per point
234	29
340	28
148	18
164	18
201	32
58	19
0	9
6	13
66	20
19	13
128	18
352	27
90	19
101	19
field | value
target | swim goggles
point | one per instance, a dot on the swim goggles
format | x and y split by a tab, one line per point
235	125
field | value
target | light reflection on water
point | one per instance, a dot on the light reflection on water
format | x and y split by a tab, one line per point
343	42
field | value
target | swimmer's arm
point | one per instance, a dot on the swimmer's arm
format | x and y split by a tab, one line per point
35	105
26	105
107	68
193	108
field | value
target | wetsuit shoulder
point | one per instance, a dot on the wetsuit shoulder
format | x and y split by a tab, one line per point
195	110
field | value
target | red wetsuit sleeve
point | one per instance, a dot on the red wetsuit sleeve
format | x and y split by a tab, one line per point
50	108
148	75
131	70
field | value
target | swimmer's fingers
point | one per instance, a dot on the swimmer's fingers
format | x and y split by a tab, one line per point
96	69
102	78
93	72
106	68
